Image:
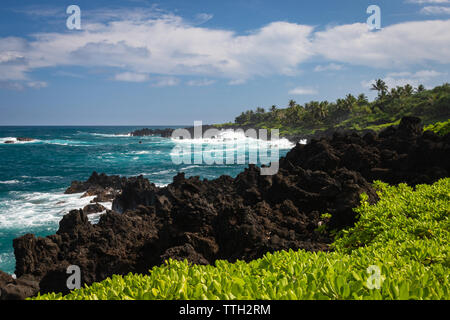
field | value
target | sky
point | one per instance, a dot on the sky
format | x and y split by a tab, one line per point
139	62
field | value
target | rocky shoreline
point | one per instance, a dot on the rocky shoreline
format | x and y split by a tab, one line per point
226	218
294	138
167	133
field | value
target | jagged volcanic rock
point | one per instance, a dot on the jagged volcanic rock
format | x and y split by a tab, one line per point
395	155
17	289
95	183
93	208
231	218
165	133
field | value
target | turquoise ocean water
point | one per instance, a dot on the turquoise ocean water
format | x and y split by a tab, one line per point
34	175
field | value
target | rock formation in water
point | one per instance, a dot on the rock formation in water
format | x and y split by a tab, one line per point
20	139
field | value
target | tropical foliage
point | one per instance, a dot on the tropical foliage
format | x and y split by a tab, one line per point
441	128
398	249
354	112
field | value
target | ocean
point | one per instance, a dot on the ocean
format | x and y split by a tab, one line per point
34	175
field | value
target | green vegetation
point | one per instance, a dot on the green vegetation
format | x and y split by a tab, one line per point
354	112
406	235
441	128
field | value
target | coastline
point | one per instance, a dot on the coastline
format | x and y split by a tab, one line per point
191	219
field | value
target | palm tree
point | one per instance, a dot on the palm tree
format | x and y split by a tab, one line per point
362	99
241	119
381	87
323	109
396	92
349	102
292	103
420	88
408	90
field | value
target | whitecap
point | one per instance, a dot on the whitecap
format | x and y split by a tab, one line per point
190	167
14	139
161	172
25	210
140	152
230	138
62	142
107	135
10	182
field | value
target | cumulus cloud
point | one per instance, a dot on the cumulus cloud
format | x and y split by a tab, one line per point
303	91
141	43
396	45
167	45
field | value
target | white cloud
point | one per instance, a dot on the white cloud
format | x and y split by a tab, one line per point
303	91
131	77
435	10
421	74
200	83
329	67
166	82
428	1
402	44
61	73
141	43
168	45
37	84
236	82
203	18
21	85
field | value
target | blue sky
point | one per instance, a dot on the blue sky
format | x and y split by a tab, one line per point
141	62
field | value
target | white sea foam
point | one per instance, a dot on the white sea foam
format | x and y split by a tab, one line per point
155	173
6	256
94	218
25	210
14	139
140	152
190	167
107	135
229	138
161	185
60	142
10	182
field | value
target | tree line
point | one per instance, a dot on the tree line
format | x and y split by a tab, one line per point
389	103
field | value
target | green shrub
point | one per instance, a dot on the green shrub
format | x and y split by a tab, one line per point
441	128
405	235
